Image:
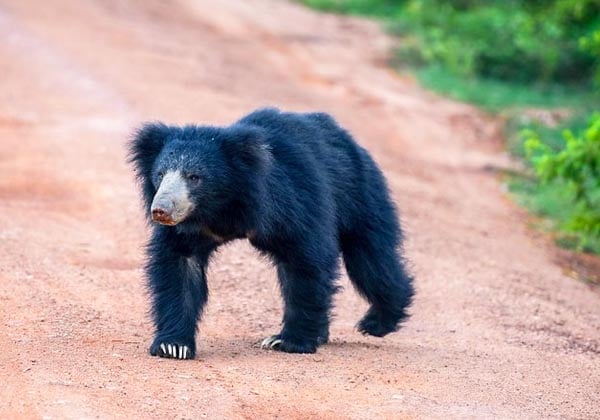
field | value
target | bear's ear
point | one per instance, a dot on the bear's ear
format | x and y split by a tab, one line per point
144	147
245	146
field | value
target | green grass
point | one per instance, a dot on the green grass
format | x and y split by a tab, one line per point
547	201
495	96
373	8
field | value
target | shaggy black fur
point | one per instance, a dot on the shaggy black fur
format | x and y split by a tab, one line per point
302	191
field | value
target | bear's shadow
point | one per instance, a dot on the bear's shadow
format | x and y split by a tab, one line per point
246	347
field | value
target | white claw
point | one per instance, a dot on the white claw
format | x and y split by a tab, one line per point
271	342
185	352
181	352
265	343
170	349
163	348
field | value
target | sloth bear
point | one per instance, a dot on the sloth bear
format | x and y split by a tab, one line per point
301	190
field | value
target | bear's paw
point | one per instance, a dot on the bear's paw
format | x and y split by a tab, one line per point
172	350
279	343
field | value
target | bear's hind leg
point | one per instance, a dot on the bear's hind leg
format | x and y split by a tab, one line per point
376	270
307	293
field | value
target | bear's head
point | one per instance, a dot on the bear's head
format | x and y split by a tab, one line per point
199	173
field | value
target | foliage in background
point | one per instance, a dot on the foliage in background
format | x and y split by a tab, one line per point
516	40
591	44
571	175
507	55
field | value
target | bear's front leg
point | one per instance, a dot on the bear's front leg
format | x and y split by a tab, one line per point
177	283
307	292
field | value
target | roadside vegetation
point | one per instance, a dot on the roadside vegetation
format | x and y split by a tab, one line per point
516	58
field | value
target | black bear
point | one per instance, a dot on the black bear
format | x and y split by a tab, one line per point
301	190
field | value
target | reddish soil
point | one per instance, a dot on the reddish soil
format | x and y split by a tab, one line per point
499	329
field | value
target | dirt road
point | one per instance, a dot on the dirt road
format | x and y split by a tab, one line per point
498	330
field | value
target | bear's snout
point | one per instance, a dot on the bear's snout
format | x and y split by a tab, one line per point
171	204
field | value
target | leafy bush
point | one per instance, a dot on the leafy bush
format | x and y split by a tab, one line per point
592	45
518	40
574	172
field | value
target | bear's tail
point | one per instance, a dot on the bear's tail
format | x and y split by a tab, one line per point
377	271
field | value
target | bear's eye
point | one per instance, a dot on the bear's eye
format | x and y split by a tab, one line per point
193	177
160	175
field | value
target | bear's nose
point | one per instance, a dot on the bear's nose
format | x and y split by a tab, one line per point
162	211
159	214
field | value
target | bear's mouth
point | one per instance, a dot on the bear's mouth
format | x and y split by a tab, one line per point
167	221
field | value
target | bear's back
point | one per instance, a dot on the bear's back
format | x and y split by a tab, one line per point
314	136
317	155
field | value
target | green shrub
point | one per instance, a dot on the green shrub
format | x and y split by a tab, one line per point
591	44
520	41
573	172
